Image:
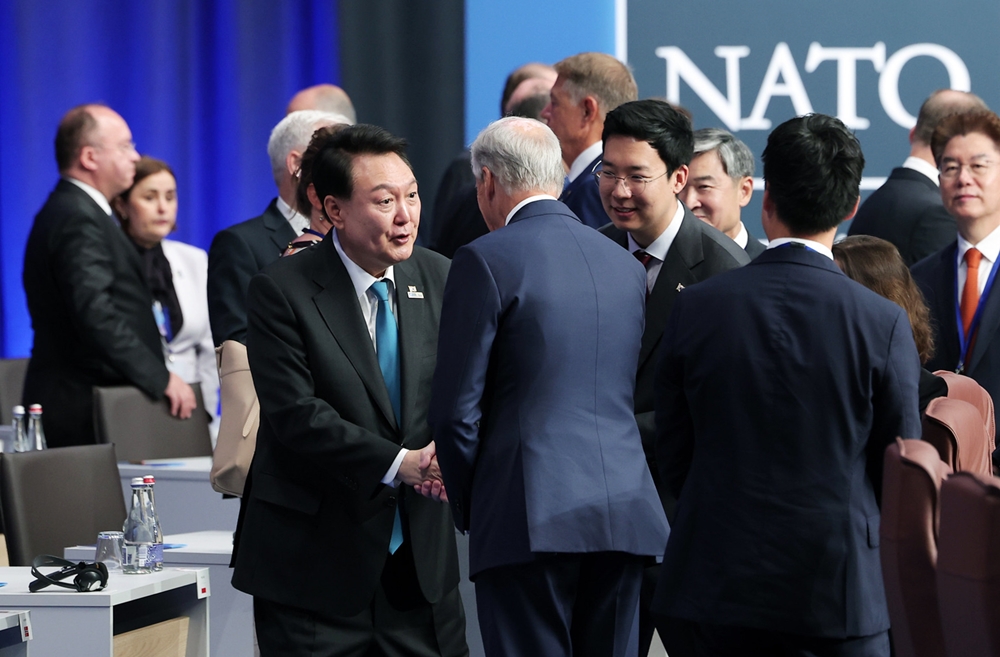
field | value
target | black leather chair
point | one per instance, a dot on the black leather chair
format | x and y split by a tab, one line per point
55	498
12	371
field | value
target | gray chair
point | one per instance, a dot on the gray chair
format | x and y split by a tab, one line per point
12	371
58	497
142	429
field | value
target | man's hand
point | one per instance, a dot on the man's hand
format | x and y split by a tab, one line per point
181	396
420	470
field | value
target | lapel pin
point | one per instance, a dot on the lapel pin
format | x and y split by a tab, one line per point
412	293
679	287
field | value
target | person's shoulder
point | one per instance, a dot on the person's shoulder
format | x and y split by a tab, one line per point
719	247
933	264
430	262
185	250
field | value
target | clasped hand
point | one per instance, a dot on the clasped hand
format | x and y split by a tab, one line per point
420	469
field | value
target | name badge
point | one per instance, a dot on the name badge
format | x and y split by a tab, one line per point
412	293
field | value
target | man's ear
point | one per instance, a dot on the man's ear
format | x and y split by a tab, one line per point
88	158
591	109
333	211
678	179
292	162
746	190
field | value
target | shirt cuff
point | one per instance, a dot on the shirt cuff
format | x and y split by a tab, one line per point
390	476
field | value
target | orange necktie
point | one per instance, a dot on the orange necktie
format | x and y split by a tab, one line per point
970	293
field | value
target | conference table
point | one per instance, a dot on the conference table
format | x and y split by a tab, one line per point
67	622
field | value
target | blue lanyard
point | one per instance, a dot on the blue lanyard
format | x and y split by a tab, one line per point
965	339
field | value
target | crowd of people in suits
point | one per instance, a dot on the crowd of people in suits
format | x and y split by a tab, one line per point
643	416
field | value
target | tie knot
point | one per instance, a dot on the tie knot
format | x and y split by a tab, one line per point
972	258
642	257
381	290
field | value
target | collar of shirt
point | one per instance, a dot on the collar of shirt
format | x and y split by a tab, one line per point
923	166
661	245
92	193
588	155
362	281
815	246
743	237
530	199
298	222
989	247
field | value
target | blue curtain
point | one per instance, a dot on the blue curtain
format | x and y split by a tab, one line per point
200	83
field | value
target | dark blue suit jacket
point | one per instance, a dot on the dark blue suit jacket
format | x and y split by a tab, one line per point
780	386
532	397
583	197
935	275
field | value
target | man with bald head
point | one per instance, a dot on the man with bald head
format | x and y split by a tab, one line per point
589	86
91	309
325	98
532	411
907	209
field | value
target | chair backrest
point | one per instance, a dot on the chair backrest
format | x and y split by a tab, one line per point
968	573
12	371
968	390
143	429
58	497
956	429
908	533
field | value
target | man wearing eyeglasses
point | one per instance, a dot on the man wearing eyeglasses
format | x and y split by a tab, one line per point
648	146
958	281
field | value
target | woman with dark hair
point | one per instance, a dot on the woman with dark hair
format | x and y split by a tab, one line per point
306	201
177	275
876	264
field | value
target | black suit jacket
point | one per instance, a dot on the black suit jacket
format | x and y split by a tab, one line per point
583	197
754	248
91	311
457	218
698	252
317	522
907	211
236	254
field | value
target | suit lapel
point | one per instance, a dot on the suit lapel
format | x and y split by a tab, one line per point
119	240
684	255
943	286
583	179
338	306
413	317
279	230
987	327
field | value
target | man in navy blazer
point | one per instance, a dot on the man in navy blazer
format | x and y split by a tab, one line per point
647	148
589	86
780	386
531	409
967	149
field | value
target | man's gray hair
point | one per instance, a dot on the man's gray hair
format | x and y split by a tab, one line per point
293	134
523	154
737	160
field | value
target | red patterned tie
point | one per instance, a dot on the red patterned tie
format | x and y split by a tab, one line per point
644	258
970	293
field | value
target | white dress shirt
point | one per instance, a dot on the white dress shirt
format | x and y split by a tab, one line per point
297	221
990	248
815	246
743	237
92	193
924	167
582	160
530	199
659	248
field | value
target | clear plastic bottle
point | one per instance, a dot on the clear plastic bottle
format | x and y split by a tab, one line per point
138	531
20	434
156	553
36	434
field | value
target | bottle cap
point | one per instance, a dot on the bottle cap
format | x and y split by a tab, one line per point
35	408
19	410
148	479
137	482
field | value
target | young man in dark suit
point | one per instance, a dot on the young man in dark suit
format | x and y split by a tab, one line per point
647	149
589	86
90	307
341	557
779	388
966	311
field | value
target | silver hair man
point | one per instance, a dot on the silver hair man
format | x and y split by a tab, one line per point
521	154
720	184
737	160
293	134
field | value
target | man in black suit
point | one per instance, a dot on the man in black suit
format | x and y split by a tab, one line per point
778	390
90	307
342	559
907	209
647	148
589	86
720	184
240	251
967	148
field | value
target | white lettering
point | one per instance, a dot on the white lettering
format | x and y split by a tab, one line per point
847	76
888	82
679	66
782	65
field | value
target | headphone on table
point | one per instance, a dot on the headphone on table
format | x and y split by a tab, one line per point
86	576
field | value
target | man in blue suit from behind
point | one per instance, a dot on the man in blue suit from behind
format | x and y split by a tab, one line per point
780	386
589	86
531	409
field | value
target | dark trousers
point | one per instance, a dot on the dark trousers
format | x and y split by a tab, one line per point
398	623
683	638
572	605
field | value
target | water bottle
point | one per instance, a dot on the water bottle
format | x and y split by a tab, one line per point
156	554
36	434
20	435
138	531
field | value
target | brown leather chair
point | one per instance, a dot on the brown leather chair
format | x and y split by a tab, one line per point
59	497
142	429
12	371
908	533
968	569
956	428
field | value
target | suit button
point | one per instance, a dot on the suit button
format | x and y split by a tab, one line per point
390	502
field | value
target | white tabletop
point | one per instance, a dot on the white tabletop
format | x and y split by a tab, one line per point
121	588
202	548
195	468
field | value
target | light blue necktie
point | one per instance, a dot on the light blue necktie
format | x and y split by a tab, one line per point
387	346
